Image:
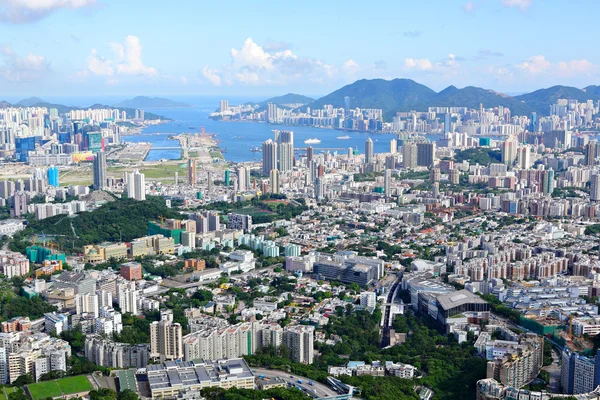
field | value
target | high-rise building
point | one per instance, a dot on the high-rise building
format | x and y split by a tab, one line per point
595	187
525	157
136	185
533	122
300	341
590	152
223	106
347	104
387	182
319	188
447	123
310	153
435	174
548	181
166	338
227	179
286	156
271	113
269	156
100	171
191	171
19	204
274	180
243	181
368	151
454	176
425	154
86	303
509	151
409	155
53	176
393	146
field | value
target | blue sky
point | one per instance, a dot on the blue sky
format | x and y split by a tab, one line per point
151	47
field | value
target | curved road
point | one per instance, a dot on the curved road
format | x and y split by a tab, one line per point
321	389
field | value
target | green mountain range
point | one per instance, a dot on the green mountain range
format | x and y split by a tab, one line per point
286	101
406	95
150	102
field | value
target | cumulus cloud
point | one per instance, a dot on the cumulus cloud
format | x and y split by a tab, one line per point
422	64
272	45
26	11
469	7
535	65
576	68
212	76
350	66
522	5
253	64
22	68
127	61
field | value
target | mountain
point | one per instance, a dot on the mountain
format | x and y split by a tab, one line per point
406	95
30	101
541	99
391	96
150	102
288	99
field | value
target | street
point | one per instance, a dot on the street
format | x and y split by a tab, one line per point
320	389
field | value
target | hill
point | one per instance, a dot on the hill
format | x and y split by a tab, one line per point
150	102
391	96
406	95
540	100
30	101
288	99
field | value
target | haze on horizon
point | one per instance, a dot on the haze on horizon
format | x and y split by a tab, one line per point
115	48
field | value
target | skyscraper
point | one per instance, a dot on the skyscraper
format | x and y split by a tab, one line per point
509	151
319	188
548	183
242	179
166	338
300	340
191	171
274	179
393	146
100	171
595	187
409	155
347	104
590	152
368	151
269	156
387	182
533	122
447	123
136	185
271	113
223	106
286	156
227	178
53	176
425	154
310	153
525	157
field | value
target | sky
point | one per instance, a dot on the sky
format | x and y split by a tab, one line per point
264	47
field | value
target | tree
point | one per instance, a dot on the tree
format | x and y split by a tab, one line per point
23	380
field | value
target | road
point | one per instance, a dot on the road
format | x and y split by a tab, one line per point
321	389
554	371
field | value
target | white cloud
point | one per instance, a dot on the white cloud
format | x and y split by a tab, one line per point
576	68
535	65
469	7
211	76
253	64
130	56
350	66
422	64
98	65
25	11
22	69
128	61
522	5
183	80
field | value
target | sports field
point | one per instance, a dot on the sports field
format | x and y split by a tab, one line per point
70	385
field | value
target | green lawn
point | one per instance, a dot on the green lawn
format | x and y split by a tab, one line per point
6	391
70	385
75	384
42	390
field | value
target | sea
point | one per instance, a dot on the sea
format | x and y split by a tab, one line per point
237	138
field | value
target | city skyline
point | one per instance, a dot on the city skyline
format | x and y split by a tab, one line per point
53	47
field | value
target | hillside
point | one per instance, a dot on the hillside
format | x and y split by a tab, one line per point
124	219
391	96
406	95
150	102
290	98
30	101
541	99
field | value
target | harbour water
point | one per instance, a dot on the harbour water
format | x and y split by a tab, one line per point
237	138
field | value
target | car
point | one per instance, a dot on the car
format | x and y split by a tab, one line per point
292	376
